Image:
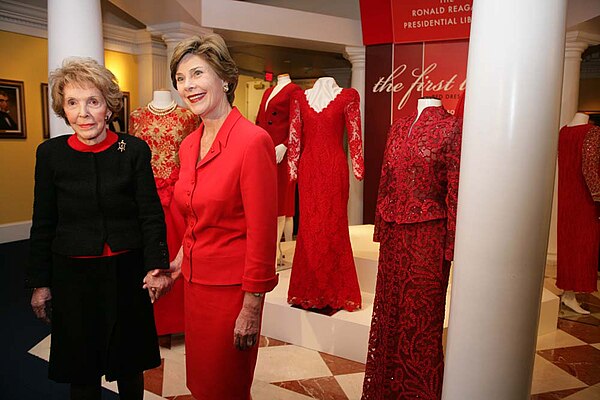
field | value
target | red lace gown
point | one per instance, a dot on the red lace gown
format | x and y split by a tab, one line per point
414	222
578	227
163	134
323	270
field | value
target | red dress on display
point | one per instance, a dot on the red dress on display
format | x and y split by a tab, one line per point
275	119
164	133
578	227
323	271
414	223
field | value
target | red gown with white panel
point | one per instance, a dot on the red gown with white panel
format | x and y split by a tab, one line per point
323	271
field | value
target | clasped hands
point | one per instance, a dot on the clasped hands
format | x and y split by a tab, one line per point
158	282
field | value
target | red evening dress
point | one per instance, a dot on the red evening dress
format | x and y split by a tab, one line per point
578	227
414	223
163	134
323	270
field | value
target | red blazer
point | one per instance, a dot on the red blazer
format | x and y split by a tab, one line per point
419	175
229	203
275	119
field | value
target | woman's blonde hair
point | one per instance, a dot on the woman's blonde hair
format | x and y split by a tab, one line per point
84	71
213	49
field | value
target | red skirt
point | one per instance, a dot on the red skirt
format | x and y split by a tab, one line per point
216	370
168	310
405	359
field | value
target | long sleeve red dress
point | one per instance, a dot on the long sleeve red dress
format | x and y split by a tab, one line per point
415	224
578	226
163	134
323	270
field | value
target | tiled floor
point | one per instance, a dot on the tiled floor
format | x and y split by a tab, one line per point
567	365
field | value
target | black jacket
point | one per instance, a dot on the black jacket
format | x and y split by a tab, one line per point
84	200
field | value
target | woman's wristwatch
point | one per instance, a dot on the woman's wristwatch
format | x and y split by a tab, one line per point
258	294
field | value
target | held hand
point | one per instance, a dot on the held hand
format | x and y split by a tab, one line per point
175	265
247	324
280	150
158	282
41	303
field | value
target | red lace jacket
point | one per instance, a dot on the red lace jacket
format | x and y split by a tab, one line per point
419	175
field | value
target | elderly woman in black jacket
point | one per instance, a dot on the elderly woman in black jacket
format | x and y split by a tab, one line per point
97	240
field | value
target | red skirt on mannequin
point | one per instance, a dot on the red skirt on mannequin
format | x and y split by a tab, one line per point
168	310
578	227
405	359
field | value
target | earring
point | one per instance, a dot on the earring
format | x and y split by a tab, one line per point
107	117
225	87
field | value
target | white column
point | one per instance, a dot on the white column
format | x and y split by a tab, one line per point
74	29
172	34
152	66
570	101
507	173
356	55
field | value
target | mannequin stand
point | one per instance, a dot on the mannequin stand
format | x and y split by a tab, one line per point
568	299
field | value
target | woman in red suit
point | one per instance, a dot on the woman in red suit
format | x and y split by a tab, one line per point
227	192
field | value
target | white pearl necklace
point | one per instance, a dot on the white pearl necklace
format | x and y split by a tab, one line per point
162	111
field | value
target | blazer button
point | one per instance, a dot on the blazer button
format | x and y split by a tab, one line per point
270	122
274	113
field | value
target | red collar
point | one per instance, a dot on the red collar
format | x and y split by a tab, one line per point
110	139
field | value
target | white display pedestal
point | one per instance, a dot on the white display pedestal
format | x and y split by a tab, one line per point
346	334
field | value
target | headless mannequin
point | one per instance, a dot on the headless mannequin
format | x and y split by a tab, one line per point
162	99
280	150
568	297
322	93
579	119
427	102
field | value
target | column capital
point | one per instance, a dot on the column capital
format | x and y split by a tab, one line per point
356	55
175	32
577	42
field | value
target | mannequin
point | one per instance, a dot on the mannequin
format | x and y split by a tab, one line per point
162	124
323	272
568	297
415	220
162	101
273	116
579	119
425	102
322	93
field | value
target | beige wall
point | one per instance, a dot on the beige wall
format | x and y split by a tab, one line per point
27	61
589	95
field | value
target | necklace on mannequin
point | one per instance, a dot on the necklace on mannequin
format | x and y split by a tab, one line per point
162	111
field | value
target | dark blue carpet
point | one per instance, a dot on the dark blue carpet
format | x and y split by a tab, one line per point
23	376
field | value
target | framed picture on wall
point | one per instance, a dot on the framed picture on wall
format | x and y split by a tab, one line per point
45	111
120	122
12	110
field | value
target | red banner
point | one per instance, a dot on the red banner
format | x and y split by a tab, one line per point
431	20
410	21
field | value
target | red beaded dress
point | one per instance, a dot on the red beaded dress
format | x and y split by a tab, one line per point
323	270
414	223
164	133
578	227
